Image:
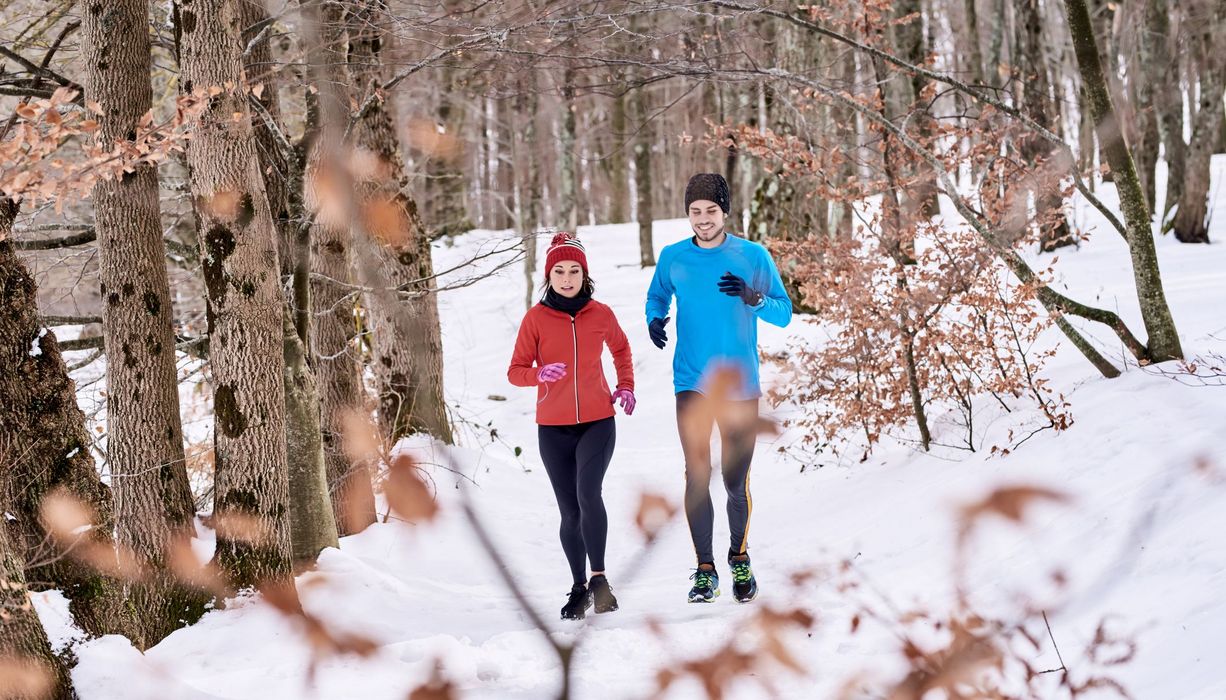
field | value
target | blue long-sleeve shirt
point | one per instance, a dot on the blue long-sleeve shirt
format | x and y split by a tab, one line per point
714	329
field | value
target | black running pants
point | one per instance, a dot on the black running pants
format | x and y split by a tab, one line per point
576	458
737	420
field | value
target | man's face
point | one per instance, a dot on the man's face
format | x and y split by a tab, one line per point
707	220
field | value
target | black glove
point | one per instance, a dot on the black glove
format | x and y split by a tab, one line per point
656	330
734	286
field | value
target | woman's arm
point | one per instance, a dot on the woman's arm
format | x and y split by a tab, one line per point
619	345
522	371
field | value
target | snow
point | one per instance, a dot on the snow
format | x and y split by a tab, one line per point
1140	543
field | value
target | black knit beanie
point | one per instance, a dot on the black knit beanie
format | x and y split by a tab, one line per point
709	186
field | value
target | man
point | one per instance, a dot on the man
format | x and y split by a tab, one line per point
723	285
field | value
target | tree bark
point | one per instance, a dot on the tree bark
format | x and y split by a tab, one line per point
23	642
336	359
642	176
1191	224
568	172
154	507
530	198
239	253
445	179
313	526
1168	100
1163	341
1044	180
406	343
619	182
44	447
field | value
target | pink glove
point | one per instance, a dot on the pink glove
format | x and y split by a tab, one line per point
551	372
626	397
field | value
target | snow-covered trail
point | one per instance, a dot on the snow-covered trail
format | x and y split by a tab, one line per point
1142	538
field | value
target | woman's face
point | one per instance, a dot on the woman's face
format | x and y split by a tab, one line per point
566	278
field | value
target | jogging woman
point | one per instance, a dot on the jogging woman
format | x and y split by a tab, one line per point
558	351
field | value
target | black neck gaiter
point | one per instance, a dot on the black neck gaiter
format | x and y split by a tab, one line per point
571	306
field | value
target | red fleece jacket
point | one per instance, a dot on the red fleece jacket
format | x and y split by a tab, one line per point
546	336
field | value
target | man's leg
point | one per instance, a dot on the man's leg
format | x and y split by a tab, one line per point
738	422
694	423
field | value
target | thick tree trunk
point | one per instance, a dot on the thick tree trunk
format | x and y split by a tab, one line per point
972	38
313	526
914	44
642	176
44	447
239	253
154	507
1168	100
23	642
1163	343
406	341
336	358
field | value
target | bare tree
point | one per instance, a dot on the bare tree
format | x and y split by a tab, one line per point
1163	343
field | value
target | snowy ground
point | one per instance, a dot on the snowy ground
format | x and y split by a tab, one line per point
1141	544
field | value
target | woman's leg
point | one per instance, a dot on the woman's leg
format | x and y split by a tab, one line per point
557	445
592	456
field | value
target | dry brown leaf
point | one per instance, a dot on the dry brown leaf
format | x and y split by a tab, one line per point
25	677
407	493
654	512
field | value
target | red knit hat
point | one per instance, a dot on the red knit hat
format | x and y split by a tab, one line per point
565	246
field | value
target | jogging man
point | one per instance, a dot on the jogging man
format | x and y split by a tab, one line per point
723	285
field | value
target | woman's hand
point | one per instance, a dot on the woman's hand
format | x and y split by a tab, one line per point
626	397
551	372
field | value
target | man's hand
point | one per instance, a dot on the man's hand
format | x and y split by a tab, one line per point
734	286
551	372
656	330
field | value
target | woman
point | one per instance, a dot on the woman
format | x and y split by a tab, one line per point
558	351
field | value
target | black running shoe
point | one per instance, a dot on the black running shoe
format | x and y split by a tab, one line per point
706	584
744	585
602	594
577	604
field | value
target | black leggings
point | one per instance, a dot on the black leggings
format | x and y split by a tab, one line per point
737	420
576	457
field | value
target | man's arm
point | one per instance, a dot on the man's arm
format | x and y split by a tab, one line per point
660	293
775	307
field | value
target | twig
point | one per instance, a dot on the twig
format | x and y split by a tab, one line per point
1055	646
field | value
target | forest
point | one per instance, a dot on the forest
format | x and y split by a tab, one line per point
262	264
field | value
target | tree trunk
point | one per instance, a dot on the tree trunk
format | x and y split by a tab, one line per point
1191	222
312	523
914	45
336	359
313	526
642	176
530	214
619	182
445	178
1145	83
1045	178
568	172
1163	343
239	253
406	342
44	447
972	38
23	642
154	507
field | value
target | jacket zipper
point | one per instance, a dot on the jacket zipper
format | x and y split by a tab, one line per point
574	337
